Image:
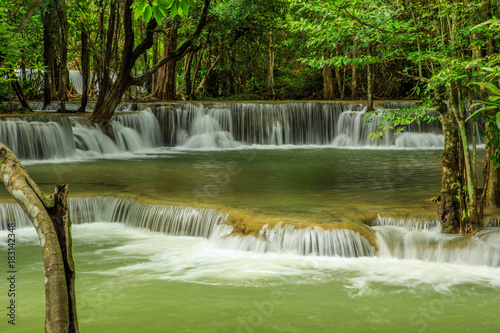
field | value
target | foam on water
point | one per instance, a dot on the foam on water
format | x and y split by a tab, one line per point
194	259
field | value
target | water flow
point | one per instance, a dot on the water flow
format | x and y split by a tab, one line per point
61	137
288	123
38	138
206	223
211	128
403	240
353	130
307	241
396	238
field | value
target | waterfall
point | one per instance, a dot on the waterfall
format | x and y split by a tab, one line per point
11	212
38	138
76	80
434	225
206	223
405	240
306	241
287	124
354	131
211	129
57	137
144	123
396	238
220	126
249	123
175	220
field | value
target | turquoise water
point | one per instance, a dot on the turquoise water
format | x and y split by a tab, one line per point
322	184
131	280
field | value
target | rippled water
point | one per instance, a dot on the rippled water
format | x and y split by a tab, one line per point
132	280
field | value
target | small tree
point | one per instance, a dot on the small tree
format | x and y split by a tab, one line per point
50	217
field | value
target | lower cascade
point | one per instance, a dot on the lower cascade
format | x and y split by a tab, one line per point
424	241
396	238
206	223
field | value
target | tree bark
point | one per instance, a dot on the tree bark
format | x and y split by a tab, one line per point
165	88
85	67
338	75
270	78
187	73
369	89
48	58
16	86
328	93
449	205
109	98
354	85
50	217
491	193
472	212
63	53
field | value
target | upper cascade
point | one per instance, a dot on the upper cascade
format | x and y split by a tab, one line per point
211	128
221	126
62	137
354	129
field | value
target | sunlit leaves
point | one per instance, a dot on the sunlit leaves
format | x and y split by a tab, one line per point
159	9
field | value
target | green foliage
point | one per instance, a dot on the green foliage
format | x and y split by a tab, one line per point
158	9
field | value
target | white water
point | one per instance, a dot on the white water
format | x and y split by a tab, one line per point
397	239
74	138
206	223
199	260
211	129
354	131
235	125
48	138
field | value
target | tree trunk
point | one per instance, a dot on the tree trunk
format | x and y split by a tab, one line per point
491	193
472	212
338	75
270	77
165	88
50	217
85	67
16	86
195	74
369	89
63	53
111	94
327	80
48	56
449	205
154	79
354	85
187	73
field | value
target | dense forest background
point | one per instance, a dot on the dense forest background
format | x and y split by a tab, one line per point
247	49
443	53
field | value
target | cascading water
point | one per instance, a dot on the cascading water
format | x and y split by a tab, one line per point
404	240
396	238
307	241
206	223
220	126
354	131
62	137
211	129
287	124
38	138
